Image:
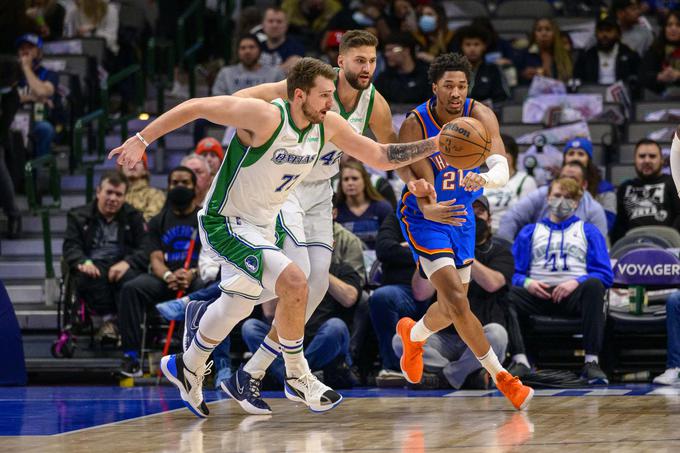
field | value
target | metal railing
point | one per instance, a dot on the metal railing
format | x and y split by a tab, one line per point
98	134
133	71
186	52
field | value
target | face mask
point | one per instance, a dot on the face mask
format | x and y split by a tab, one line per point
362	19
481	230
427	24
180	197
562	208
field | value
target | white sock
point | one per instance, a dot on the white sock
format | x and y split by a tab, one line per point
591	358
263	357
419	332
294	357
198	352
491	364
521	358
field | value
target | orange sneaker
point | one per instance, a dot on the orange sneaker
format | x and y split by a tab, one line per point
411	361
519	394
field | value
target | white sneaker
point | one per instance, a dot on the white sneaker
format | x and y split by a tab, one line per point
669	377
189	383
309	390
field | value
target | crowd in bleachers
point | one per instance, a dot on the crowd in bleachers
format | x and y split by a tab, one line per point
135	246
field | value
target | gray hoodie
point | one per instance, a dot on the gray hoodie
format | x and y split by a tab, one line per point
534	206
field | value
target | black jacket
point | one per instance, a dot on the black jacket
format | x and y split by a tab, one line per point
587	67
489	83
652	64
80	232
397	261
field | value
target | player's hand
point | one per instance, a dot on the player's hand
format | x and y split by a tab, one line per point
445	212
539	289
422	189
129	153
473	182
564	290
117	271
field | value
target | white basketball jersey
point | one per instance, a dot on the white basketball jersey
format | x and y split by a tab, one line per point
328	164
502	198
252	183
558	255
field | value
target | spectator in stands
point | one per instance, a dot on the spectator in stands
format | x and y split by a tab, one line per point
309	19
247	72
167	245
97	18
609	59
562	268
580	150
405	79
14	22
38	88
367	15
498	50
103	248
487	82
279	49
200	167
492	272
140	195
402	17
49	15
396	297
672	374
649	199
361	209
212	150
433	35
519	185
534	207
660	70
635	30
9	104
546	54
327	332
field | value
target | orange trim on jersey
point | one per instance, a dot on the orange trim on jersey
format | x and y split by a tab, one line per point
429	112
418	247
422	123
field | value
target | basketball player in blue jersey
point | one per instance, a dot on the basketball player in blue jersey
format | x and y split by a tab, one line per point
438	222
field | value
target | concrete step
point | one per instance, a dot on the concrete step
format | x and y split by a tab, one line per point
33	225
67	201
76	183
25	294
37	319
28	247
26	269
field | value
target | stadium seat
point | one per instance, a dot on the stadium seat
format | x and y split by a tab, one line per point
637	130
465	8
525	8
643	108
669	234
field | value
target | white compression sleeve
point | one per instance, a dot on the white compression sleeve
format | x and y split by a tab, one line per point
675	161
498	174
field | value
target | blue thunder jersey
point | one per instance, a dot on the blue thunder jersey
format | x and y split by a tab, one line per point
434	240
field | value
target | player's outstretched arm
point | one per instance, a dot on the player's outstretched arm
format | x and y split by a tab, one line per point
382	157
265	91
498	173
249	114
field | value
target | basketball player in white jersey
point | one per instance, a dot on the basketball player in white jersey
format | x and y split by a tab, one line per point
306	216
275	147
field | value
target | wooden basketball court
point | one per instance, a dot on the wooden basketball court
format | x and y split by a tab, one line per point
634	418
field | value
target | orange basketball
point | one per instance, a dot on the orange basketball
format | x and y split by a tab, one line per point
464	143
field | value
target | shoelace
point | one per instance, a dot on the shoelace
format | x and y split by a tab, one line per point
311	382
197	390
254	387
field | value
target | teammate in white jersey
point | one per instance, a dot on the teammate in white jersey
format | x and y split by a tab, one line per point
306	216
275	146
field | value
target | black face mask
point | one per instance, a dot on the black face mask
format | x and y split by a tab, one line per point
180	197
482	232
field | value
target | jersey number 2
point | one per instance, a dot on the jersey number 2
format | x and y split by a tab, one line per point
449	179
288	181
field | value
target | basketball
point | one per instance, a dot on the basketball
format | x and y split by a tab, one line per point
464	143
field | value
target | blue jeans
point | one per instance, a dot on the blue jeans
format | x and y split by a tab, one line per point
210	292
330	342
387	305
673	328
43	133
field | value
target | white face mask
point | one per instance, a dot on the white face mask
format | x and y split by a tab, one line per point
561	207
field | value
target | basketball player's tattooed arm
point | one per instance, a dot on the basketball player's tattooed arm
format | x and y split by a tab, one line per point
256	119
382	157
419	177
498	173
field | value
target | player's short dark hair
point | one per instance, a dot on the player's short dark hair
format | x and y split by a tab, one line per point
357	38
184	169
473	32
115	178
647	141
449	62
303	74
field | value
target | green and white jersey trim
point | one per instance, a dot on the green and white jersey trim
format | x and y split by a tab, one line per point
329	159
253	182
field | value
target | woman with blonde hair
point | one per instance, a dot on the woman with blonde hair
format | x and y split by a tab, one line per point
546	54
97	18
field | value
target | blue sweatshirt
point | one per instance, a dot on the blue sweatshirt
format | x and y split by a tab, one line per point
556	252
